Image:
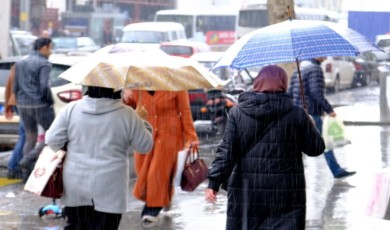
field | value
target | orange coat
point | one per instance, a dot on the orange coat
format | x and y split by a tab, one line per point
170	115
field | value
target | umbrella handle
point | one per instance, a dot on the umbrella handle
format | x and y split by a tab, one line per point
301	86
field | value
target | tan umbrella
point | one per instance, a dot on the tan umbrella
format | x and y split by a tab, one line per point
142	70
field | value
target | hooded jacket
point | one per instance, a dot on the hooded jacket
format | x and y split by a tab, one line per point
100	133
261	156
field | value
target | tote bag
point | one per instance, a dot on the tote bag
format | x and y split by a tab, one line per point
47	170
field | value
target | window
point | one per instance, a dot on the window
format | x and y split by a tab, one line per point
186	21
144	37
253	18
183	51
55	72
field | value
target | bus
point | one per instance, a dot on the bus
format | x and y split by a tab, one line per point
214	26
254	15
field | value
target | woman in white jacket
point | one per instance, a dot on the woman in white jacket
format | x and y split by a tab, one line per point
99	132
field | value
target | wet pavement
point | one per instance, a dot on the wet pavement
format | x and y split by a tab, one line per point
331	203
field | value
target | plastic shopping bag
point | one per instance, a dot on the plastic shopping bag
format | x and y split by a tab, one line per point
379	201
333	132
181	161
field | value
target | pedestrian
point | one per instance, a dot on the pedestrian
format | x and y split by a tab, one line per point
170	116
317	104
99	132
14	172
259	161
34	99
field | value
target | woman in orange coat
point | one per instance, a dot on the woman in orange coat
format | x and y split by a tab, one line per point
170	115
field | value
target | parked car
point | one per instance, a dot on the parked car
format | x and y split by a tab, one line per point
62	90
151	34
366	65
71	44
236	82
339	72
383	41
21	42
184	48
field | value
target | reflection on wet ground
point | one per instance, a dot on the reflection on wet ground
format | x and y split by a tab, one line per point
331	204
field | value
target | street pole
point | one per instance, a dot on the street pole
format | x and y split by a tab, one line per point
5	21
24	17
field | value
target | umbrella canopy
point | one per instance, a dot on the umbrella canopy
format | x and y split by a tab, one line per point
294	40
141	70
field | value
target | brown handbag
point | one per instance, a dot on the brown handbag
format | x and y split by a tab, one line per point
195	171
54	187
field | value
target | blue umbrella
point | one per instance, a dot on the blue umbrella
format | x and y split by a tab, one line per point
294	40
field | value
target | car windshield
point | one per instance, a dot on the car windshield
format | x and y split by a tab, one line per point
24	43
55	72
384	43
65	43
184	51
144	37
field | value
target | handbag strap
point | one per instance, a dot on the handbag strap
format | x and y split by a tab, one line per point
192	151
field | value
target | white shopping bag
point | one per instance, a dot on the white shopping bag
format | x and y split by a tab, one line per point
181	160
379	200
333	132
44	168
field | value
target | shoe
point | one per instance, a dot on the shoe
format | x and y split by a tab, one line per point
344	174
168	207
149	224
150	219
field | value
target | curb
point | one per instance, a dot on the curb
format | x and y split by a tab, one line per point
366	123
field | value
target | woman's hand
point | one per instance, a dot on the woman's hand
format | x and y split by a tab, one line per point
141	111
194	144
211	195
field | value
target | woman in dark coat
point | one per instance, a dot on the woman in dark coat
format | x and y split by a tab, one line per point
260	157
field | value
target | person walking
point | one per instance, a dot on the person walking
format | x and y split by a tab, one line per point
170	116
261	157
14	172
34	99
317	104
99	132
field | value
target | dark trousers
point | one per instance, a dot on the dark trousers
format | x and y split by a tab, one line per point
86	218
151	211
32	117
331	160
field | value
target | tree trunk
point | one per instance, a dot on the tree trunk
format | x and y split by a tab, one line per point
278	12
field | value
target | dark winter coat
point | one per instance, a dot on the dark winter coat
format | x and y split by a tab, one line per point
266	187
313	85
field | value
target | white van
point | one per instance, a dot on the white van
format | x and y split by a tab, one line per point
151	34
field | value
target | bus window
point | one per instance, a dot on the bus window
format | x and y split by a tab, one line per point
253	18
216	27
186	21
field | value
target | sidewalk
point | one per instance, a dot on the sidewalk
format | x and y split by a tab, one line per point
331	204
